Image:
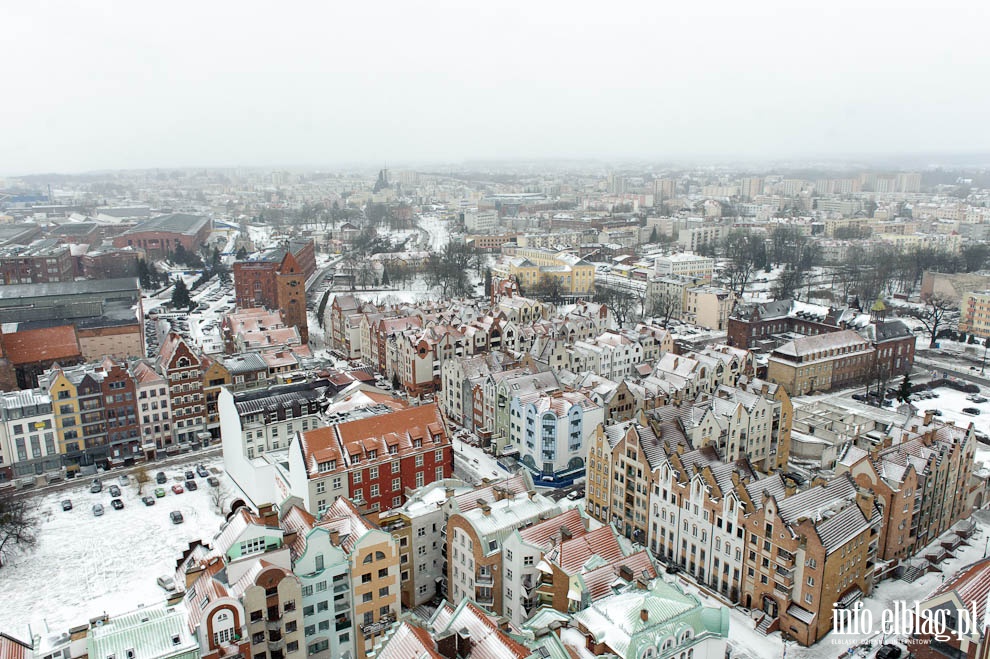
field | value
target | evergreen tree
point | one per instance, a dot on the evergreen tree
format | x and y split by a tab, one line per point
241	253
904	392
180	295
653	236
385	279
144	276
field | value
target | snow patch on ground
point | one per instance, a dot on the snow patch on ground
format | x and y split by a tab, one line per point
83	565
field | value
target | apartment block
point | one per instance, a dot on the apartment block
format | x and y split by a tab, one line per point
29	448
374	461
474	544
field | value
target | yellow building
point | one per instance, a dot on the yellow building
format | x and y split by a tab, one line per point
974	314
65	405
530	265
215	377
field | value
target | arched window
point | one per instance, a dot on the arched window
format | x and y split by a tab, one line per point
368	558
379	556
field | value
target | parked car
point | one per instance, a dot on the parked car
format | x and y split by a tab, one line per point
190	475
177	489
125	479
888	652
117	504
166	583
191	485
67	504
161	478
114	491
202	471
159	492
97	509
176	517
571	496
97	486
148	501
972	411
213	481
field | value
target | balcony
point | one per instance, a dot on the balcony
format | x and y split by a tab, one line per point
341	588
378	626
783	579
485	600
341	625
276	645
485	580
272	624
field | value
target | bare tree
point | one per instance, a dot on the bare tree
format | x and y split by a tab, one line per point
141	477
664	305
218	498
17	524
932	316
621	303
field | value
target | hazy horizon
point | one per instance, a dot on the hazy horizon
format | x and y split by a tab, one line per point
116	86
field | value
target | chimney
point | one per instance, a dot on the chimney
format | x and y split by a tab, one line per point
626	572
644	615
565	533
929	417
464	643
268	514
447	646
449	492
486	510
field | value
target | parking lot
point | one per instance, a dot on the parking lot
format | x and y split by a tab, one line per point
85	565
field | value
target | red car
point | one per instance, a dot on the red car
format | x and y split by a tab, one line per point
177	489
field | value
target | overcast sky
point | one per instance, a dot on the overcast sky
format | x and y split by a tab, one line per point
94	85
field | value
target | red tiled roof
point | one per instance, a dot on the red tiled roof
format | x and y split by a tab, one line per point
409	641
540	534
575	552
11	648
971	584
38	345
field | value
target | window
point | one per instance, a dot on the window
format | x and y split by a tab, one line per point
383	592
419	460
358	476
419	479
396	484
366	597
527	560
395	467
373	473
292	646
438	455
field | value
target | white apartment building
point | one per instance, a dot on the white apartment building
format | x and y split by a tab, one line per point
28	448
154	406
551	431
478	221
685	264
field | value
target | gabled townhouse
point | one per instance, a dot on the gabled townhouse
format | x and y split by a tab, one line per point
575	566
942	457
348	569
80	415
807	554
695	508
621	461
215	376
550	433
183	368
240	592
154	408
474	543
418	528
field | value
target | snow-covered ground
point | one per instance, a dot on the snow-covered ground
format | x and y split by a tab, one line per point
85	565
438	229
951	403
